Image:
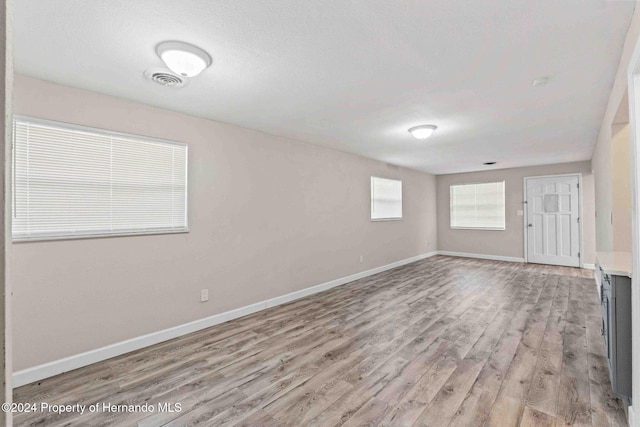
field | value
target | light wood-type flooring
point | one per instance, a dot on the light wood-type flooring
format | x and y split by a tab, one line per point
441	342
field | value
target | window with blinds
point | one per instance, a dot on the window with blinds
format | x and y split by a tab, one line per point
478	206
386	198
71	181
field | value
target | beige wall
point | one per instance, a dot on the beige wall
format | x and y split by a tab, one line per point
621	187
268	216
602	155
510	242
602	163
611	164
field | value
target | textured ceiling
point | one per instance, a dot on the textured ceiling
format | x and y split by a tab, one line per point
354	75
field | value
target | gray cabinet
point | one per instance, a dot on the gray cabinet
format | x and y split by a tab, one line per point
616	329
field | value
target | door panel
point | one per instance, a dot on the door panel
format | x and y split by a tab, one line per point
552	244
553	227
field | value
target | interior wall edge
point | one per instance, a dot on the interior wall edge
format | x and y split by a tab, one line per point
6	323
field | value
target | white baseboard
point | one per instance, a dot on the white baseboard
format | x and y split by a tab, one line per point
56	367
332	284
482	256
589	266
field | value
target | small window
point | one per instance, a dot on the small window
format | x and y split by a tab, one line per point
386	199
71	181
478	206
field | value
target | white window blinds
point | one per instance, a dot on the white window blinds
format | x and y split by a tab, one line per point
386	198
478	206
72	181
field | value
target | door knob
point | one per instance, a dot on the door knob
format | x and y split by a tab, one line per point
530	225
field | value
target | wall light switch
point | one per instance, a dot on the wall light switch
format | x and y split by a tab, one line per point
204	295
519	212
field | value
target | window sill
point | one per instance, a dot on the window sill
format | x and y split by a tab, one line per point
478	228
95	236
385	219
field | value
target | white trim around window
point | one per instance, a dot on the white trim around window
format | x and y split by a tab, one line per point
477	206
386	199
72	181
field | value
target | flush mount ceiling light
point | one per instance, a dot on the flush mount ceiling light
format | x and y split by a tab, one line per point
423	131
182	58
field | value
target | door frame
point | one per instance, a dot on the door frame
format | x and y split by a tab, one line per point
526	213
633	87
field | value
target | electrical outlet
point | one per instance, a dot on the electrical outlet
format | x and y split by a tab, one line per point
361	258
204	295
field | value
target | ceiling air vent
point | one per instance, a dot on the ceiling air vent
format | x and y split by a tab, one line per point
165	77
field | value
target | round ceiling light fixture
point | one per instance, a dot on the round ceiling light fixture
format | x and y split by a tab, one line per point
182	58
422	131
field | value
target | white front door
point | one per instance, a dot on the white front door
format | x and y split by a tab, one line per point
553	220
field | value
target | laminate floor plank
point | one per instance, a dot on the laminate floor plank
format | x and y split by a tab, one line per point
534	418
606	409
574	403
442	341
475	409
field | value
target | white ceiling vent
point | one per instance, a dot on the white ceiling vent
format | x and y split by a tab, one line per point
165	77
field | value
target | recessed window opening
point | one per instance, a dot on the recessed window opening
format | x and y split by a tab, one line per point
71	181
479	206
386	199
